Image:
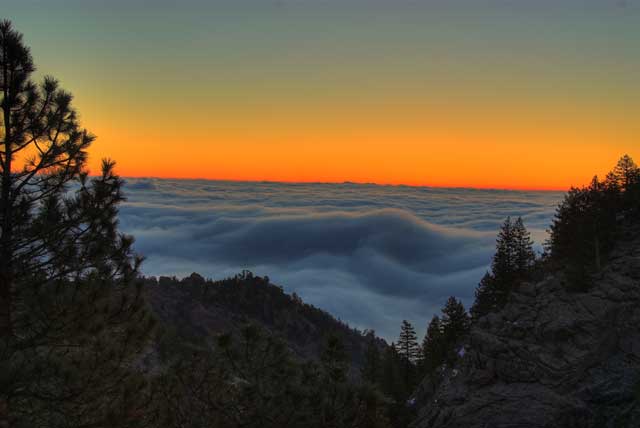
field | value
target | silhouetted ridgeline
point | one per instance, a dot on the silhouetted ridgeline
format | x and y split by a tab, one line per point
196	310
557	345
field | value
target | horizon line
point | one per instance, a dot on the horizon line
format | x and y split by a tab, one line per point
369	183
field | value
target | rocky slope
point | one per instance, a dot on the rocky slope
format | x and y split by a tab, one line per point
550	358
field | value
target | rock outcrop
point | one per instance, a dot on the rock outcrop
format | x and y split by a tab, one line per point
550	358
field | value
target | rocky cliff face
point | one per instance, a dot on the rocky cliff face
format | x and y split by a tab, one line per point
550	358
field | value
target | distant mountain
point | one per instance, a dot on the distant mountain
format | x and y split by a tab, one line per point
196	310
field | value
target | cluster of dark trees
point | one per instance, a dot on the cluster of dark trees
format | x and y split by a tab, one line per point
514	261
586	226
588	222
397	370
251	379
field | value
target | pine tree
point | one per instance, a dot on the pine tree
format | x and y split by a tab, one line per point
525	256
625	177
487	299
408	343
455	324
433	347
513	262
582	229
626	173
409	352
503	264
71	319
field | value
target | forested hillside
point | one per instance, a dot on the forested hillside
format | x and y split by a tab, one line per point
194	310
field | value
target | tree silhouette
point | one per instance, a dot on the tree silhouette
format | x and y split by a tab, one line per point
70	321
525	256
582	229
433	346
409	352
487	297
626	173
512	263
624	181
455	321
503	264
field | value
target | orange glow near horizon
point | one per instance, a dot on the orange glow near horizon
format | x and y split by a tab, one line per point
449	94
483	154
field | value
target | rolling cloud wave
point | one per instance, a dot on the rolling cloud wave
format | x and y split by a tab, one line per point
371	255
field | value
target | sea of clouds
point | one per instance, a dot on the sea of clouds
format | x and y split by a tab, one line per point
371	255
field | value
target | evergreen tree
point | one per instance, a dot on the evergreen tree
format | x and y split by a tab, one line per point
626	178
487	298
409	352
407	346
503	264
525	256
433	346
455	324
513	262
626	173
583	228
71	320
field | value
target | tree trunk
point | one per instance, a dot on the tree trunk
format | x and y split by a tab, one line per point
6	256
6	253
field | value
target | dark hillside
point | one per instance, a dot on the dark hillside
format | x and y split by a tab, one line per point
560	348
197	310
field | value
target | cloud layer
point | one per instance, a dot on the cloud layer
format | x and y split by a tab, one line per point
371	255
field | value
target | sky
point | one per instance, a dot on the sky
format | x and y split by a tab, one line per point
370	255
517	94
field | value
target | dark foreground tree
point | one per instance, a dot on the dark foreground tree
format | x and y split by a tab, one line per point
71	322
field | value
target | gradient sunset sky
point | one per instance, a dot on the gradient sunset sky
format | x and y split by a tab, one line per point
509	94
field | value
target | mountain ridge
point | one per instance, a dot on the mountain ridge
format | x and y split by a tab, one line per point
551	357
198	310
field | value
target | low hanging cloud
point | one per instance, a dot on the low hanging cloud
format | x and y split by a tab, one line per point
371	255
